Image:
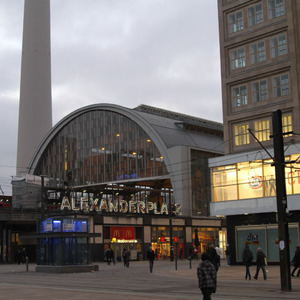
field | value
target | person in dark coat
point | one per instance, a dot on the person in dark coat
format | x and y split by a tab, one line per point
296	262
247	259
126	257
213	257
150	257
260	261
207	277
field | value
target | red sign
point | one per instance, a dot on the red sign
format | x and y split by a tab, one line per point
122	233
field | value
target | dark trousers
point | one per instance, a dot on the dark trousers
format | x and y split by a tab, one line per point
206	294
151	262
247	272
258	267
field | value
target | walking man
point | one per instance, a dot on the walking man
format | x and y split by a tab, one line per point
207	277
261	262
247	259
150	257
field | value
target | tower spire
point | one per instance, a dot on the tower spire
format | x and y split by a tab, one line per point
35	108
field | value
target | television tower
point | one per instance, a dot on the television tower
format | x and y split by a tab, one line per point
35	108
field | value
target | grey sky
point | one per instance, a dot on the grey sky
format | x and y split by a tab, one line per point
163	53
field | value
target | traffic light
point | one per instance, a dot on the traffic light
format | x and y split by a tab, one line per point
175	239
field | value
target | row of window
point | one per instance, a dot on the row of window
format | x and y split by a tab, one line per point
261	130
254	15
252	179
276	46
258	90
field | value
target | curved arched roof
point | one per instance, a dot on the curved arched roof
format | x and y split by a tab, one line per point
166	130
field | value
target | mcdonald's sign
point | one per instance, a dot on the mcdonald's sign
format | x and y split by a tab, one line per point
122	233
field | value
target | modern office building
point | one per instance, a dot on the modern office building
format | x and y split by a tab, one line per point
139	177
259	48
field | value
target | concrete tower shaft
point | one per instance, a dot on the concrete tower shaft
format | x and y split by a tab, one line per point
35	110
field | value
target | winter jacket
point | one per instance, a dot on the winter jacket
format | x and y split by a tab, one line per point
207	275
247	257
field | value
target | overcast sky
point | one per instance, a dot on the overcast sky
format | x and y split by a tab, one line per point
163	53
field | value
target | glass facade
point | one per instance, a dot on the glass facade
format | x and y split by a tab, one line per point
200	183
100	146
57	248
254	179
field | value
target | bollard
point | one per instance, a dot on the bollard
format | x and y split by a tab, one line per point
26	263
191	263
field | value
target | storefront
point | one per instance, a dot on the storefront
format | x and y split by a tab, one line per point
265	237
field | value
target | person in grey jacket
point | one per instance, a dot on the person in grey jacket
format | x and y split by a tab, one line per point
207	277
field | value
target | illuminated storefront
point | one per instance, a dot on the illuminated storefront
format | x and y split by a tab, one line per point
244	190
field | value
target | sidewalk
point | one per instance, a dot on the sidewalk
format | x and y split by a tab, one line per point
136	282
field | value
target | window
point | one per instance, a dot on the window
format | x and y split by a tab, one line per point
258	53
241	134
278	45
260	91
262	130
281	85
238	58
236	22
287	124
276	8
239	96
255	15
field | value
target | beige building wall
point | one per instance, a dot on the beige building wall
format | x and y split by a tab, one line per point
250	58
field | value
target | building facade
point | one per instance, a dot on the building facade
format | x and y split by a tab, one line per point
259	48
140	177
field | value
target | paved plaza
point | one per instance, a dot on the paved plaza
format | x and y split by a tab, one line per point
136	283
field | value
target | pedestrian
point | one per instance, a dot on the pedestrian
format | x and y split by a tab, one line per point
150	257
260	263
296	262
213	257
247	259
126	257
24	255
108	256
228	254
207	277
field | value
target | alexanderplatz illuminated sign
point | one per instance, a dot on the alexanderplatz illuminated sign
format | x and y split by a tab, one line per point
122	206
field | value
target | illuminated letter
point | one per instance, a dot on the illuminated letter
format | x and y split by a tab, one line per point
103	205
141	207
149	206
74	205
94	204
113	207
123	206
155	209
132	206
164	209
65	204
177	209
84	204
